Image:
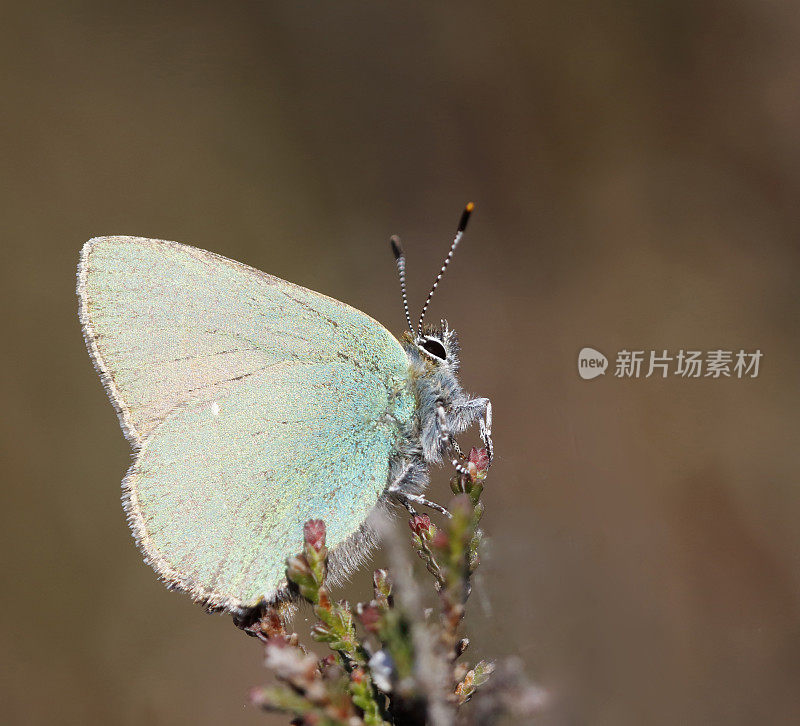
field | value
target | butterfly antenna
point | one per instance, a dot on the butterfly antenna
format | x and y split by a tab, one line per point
462	225
400	258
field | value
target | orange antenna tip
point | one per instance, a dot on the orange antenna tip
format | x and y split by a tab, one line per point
462	225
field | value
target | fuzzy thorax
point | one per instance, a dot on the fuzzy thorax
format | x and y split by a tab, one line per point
436	384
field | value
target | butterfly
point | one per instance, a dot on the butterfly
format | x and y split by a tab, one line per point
253	404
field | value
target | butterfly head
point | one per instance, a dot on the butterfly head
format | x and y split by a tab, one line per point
438	346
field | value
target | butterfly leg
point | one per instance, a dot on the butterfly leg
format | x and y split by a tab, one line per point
448	441
402	488
457	448
406	498
485	424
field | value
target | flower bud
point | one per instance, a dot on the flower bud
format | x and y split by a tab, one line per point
479	457
420	524
314	533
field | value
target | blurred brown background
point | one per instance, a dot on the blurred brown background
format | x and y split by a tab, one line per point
636	169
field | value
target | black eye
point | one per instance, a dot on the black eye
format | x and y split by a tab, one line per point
434	347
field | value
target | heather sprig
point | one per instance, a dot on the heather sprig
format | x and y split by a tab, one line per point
379	673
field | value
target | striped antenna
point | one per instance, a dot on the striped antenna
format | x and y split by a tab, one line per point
400	258
462	225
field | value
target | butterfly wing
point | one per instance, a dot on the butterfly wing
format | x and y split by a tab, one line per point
220	490
254	405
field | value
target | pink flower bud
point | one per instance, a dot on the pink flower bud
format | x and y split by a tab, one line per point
479	457
370	617
420	524
314	533
324	599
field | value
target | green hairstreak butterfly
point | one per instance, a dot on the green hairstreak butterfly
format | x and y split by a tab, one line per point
253	404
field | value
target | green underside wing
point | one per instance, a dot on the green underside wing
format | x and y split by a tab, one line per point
253	405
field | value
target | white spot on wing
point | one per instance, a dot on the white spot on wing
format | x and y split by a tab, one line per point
215	409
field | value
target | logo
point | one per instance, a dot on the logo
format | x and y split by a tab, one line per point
591	363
